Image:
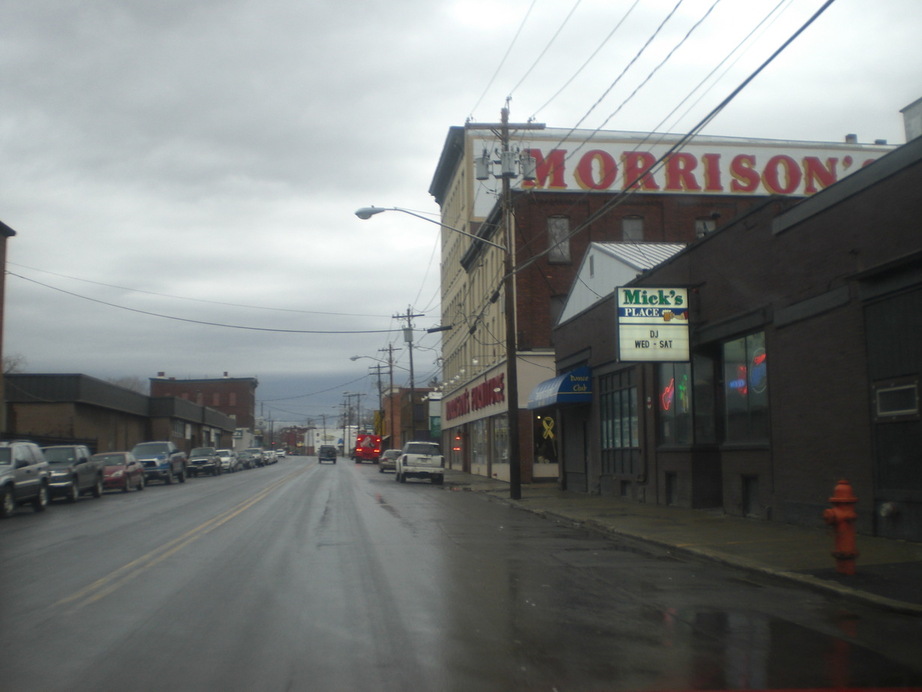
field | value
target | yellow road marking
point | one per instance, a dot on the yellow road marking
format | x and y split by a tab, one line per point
119	577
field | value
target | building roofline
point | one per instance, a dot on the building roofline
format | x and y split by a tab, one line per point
888	165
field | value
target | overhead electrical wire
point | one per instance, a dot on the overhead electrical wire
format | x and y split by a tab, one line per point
505	57
187	298
659	138
202	322
546	47
624	194
627	67
588	60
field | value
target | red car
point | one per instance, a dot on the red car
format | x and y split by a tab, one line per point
121	471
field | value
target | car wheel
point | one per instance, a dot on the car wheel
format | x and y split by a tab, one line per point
169	477
380	469
97	489
72	492
141	483
437	480
41	500
403	478
7	505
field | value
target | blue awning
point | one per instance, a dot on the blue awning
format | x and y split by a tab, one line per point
574	387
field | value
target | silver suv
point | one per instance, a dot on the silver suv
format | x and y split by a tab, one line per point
24	477
421	460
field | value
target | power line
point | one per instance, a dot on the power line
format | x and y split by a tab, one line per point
203	322
505	57
197	300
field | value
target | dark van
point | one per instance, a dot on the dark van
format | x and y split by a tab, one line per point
326	453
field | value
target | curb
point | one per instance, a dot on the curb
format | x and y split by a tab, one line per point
807	580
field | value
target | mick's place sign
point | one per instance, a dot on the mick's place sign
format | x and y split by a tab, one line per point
653	324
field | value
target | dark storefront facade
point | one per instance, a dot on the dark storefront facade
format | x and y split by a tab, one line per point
805	357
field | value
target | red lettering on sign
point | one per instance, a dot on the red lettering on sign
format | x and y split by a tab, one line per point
585	173
781	175
745	179
636	164
713	181
680	172
552	167
815	171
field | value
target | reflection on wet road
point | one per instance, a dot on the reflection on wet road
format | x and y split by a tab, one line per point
335	577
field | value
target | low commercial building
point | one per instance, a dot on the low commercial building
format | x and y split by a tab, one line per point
572	194
73	408
803	356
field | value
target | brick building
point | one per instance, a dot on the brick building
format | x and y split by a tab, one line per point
234	396
575	199
71	409
805	325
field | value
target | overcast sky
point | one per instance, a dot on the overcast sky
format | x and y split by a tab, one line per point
168	164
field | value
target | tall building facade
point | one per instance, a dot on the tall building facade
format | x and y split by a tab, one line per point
234	396
572	189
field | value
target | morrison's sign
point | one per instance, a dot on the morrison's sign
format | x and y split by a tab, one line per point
574	162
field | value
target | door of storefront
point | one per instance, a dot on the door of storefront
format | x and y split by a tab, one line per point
894	327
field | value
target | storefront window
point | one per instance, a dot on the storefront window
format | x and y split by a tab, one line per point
620	425
479	442
618	405
746	389
500	440
675	403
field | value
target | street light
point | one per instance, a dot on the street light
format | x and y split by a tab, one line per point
390	372
366	213
512	379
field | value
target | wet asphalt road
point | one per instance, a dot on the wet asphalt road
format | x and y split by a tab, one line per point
307	577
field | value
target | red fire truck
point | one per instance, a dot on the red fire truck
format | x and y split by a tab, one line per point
367	448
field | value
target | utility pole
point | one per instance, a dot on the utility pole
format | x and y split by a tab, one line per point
377	368
507	172
408	338
390	384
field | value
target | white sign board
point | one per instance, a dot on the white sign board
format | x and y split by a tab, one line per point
653	324
585	161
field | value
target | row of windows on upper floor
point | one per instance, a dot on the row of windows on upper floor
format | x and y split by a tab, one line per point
632	230
216	399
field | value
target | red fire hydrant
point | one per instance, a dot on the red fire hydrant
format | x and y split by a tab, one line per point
842	518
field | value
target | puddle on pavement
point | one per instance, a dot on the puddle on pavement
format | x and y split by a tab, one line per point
750	650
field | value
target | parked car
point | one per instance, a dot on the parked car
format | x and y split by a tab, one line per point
229	461
421	460
388	460
326	453
247	459
257	455
161	461
24	477
269	457
204	460
120	471
74	472
281	453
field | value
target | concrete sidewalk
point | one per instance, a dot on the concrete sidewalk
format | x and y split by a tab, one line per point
888	572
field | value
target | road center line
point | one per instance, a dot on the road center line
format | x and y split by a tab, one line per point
119	577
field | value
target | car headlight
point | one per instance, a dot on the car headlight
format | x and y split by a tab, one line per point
118	474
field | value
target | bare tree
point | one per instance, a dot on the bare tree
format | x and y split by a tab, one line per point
135	384
15	362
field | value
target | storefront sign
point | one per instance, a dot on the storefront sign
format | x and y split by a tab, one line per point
488	392
705	166
653	324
